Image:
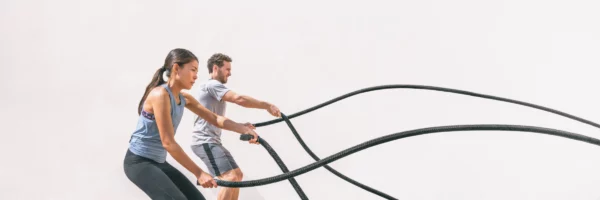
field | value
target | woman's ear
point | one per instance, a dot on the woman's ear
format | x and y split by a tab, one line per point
175	68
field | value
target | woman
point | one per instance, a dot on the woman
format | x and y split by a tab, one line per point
161	109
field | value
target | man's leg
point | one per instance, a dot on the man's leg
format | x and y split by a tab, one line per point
240	177
221	164
230	193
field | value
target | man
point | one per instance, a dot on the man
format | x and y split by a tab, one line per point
206	142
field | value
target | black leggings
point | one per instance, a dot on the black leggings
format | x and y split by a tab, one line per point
159	180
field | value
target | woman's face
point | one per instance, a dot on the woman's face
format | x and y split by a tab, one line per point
187	75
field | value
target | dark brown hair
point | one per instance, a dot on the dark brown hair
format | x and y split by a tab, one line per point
176	56
217	59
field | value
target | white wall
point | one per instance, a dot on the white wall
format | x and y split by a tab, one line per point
73	73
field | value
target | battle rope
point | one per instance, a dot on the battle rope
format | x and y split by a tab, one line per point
406	134
425	87
279	162
350	150
316	158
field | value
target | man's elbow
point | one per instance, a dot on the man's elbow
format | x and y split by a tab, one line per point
240	100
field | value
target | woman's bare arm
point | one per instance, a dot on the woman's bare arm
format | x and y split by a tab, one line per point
217	120
161	106
220	121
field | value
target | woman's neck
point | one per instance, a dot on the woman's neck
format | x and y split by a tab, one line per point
175	88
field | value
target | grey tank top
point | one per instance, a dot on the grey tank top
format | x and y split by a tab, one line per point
145	140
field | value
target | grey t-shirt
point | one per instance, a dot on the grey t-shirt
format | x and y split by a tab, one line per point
210	96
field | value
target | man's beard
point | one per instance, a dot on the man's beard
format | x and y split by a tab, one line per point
222	79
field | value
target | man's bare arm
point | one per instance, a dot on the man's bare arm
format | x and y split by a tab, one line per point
250	102
245	100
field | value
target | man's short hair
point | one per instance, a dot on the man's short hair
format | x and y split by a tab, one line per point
217	59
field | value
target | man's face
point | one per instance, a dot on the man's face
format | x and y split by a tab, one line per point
224	72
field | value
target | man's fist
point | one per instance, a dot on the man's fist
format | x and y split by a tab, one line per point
273	110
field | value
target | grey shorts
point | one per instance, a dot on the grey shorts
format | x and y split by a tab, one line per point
218	160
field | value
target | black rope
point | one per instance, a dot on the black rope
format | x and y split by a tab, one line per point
279	162
319	163
425	87
406	134
316	158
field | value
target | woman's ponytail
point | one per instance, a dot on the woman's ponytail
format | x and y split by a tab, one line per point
157	80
